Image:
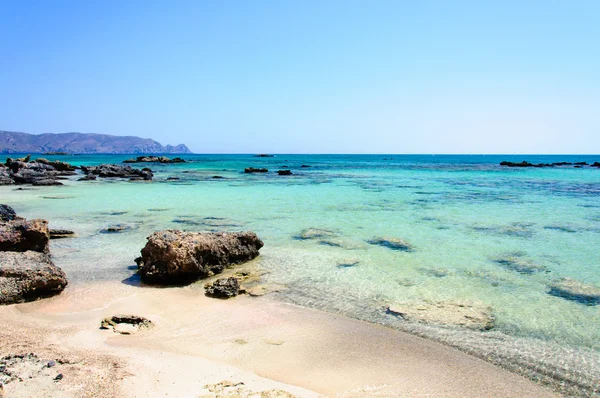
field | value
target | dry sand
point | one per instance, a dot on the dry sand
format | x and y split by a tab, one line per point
256	346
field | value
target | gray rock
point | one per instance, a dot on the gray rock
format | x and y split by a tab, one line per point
28	276
174	256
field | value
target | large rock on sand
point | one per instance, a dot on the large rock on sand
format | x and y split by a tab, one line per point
28	276
20	235
174	256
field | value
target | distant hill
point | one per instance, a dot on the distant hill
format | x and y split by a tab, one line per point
14	142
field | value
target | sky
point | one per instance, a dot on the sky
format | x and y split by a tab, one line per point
303	76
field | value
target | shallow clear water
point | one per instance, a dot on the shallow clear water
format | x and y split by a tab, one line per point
461	214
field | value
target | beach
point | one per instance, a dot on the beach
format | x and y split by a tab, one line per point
265	344
366	260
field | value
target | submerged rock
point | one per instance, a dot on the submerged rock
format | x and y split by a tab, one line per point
392	243
174	256
520	265
28	276
469	315
284	172
126	324
223	288
21	235
573	290
316	233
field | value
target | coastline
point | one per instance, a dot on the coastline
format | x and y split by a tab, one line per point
263	343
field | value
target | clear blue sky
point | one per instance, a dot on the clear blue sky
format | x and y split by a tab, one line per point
308	76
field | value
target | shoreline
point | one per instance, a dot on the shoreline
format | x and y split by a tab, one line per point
261	342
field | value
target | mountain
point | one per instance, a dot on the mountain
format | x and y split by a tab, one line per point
14	142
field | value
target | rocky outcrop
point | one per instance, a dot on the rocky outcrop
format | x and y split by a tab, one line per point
223	288
154	159
469	315
28	276
117	171
126	324
41	172
573	290
392	243
174	256
253	170
284	172
20	235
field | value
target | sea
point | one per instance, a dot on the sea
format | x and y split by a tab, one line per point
475	233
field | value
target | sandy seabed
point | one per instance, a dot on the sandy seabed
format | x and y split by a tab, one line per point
242	347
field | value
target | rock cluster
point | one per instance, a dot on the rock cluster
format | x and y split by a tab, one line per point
174	256
35	172
154	159
26	271
117	171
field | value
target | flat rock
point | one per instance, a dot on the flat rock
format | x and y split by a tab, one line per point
28	276
469	315
573	290
174	256
264	289
126	324
61	233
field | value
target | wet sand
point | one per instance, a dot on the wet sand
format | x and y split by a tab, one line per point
265	344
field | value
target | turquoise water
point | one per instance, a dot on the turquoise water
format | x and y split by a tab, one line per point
461	214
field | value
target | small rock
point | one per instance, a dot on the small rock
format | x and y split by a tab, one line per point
284	172
60	233
58	377
223	288
126	324
253	170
